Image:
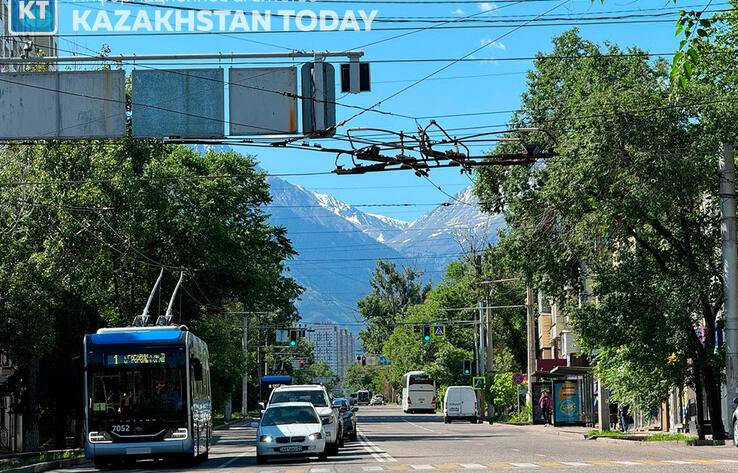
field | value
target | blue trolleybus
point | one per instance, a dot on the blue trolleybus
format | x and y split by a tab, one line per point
146	395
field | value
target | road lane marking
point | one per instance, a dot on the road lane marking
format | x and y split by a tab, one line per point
423	467
377	453
473	466
373	468
525	465
420	426
620	462
728	461
709	462
498	465
602	463
398	467
320	470
295	470
576	464
447	466
678	462
652	462
234	459
550	463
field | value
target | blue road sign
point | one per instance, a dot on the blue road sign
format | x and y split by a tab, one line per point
439	331
517	378
478	382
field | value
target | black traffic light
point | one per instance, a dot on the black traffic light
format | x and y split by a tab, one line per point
467	366
416	329
363	360
293	337
426	333
302	363
358	358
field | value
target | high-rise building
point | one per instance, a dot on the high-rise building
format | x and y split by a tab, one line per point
333	345
20	46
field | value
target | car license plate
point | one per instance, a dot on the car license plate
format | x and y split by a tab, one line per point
138	451
327	435
290	449
453	409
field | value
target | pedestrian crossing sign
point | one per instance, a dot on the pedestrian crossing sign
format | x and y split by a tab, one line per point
478	382
439	331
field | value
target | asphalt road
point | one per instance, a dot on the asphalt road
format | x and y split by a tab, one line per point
392	441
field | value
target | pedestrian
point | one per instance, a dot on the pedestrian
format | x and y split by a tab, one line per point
623	415
545	403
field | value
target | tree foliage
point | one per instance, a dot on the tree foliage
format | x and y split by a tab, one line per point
630	201
86	226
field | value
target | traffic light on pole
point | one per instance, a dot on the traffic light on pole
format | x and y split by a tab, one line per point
302	363
467	366
426	333
293	338
363	360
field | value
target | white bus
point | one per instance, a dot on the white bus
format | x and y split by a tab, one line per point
418	392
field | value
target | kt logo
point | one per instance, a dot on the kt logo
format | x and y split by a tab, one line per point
33	17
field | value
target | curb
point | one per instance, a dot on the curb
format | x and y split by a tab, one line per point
46	466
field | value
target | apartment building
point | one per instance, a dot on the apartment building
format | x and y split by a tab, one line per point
333	345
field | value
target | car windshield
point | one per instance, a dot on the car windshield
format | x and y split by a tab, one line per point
340	403
289	415
315	397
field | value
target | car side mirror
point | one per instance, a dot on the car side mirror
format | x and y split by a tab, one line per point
326	421
261	406
255	425
735	401
355	409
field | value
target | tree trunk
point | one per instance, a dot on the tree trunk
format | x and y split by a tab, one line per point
30	411
700	403
712	390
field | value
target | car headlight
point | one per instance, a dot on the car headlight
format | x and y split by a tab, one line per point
176	434
315	436
99	437
266	438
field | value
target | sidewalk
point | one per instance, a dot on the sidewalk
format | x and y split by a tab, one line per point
574	432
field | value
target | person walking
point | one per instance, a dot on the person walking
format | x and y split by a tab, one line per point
545	402
623	415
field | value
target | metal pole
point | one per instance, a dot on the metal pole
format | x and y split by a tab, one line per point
182	57
482	363
517	388
730	273
531	335
245	380
476	341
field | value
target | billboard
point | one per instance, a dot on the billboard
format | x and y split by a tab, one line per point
567	408
186	103
66	104
262	101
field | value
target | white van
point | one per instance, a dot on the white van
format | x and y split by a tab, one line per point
460	402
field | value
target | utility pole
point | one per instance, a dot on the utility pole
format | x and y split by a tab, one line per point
245	381
531	326
482	401
730	273
490	365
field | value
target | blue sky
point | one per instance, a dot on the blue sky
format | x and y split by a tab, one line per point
496	85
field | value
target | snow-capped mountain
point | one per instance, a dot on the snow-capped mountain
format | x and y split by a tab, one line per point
338	244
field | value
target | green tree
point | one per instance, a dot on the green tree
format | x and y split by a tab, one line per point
392	293
357	377
631	200
85	228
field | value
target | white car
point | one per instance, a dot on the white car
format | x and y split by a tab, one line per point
290	429
377	400
318	397
460	402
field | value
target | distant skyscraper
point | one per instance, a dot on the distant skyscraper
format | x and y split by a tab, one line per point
18	46
333	345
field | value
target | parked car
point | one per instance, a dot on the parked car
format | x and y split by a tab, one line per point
460	402
289	429
318	396
348	414
377	400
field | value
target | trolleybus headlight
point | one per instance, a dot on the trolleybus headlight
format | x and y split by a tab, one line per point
315	436
176	434
266	438
99	437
